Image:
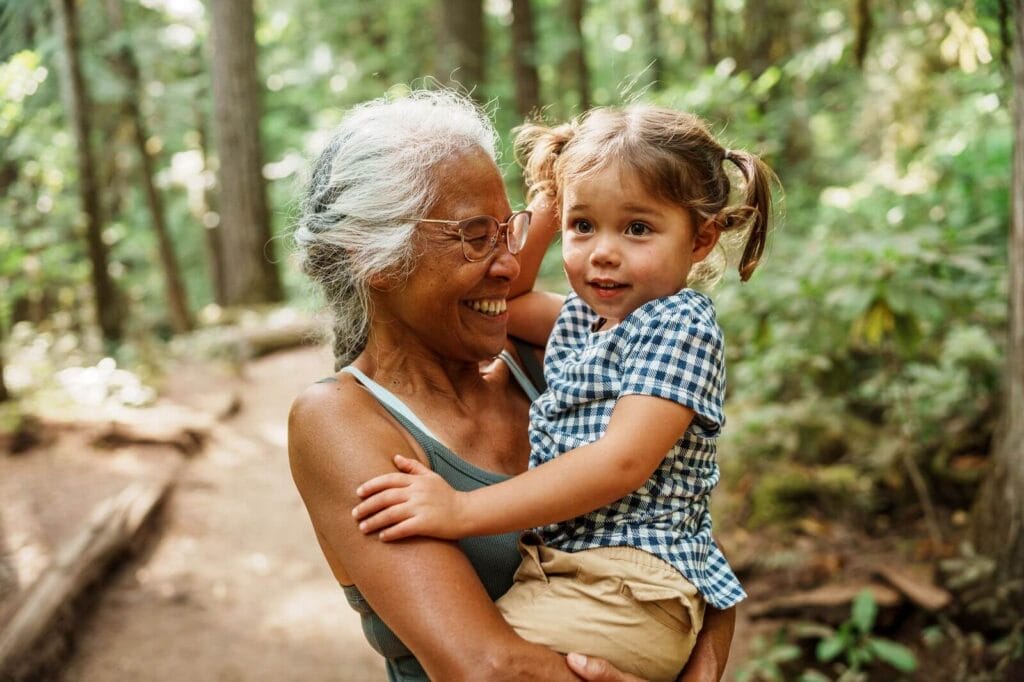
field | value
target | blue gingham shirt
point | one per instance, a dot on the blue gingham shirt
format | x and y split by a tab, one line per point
670	348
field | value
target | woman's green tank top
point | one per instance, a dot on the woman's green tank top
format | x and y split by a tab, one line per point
493	557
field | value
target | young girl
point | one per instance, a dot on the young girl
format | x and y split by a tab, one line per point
622	559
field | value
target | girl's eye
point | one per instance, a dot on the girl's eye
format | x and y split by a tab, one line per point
637	229
581	226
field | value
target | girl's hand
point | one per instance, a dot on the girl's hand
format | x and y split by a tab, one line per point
417	502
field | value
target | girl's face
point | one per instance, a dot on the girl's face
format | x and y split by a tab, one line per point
622	247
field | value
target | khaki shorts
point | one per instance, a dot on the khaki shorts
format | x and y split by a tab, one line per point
619	603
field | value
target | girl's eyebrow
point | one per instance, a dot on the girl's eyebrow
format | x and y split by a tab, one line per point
632	208
640	208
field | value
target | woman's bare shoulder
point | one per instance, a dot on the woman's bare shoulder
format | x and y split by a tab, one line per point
339	425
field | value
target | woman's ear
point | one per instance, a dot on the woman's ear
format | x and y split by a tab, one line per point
382	281
705	239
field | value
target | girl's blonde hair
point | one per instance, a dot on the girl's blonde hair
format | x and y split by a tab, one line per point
674	156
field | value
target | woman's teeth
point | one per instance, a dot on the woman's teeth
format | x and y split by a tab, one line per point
489	306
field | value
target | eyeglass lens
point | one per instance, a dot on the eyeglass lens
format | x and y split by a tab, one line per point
479	235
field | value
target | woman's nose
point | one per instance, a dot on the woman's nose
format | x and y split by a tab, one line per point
503	263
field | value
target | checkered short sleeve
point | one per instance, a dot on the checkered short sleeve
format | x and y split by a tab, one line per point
678	355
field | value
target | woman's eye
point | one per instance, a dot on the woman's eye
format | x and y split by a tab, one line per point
582	226
637	229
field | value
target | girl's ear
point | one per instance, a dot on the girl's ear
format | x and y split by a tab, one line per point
705	239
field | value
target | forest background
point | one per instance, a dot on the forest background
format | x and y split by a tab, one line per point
152	154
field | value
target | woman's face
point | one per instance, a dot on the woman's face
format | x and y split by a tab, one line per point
451	306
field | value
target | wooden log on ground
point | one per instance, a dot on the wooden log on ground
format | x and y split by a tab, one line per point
916	585
829	603
259	341
110	530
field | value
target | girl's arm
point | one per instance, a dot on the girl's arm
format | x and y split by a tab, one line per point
543	228
532	314
641	431
425	589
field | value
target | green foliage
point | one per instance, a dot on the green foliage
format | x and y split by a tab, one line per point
854	641
874	329
767	659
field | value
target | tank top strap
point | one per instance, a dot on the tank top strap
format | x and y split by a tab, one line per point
520	375
390	401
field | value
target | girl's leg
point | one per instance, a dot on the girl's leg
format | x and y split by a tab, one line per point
619	603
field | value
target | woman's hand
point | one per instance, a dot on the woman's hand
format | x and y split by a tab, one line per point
596	669
417	502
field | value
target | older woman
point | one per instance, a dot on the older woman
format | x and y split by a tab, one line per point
407	230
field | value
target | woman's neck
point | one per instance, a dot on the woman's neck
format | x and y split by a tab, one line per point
411	368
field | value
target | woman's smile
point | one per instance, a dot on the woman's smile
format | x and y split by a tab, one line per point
491	307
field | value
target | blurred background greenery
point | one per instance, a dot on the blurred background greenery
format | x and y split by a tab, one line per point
865	357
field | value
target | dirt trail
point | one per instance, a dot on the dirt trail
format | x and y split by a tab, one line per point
235	587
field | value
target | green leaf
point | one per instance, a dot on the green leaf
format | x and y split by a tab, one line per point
896	655
829	648
863	613
783	653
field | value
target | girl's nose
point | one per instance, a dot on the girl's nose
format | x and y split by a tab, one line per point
604	251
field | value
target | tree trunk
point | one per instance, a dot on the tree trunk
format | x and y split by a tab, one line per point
78	107
213	242
652	27
4	395
999	512
462	44
863	25
524	58
125	63
373	27
244	219
708	19
578	53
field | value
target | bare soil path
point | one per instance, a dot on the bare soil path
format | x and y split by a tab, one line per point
234	587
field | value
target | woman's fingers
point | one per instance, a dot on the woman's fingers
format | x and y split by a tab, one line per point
597	669
382	482
378	502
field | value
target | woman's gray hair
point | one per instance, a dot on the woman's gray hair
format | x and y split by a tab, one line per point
375	174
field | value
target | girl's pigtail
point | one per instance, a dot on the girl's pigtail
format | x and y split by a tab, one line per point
537	149
755	211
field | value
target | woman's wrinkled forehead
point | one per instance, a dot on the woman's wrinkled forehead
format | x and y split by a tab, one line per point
469	183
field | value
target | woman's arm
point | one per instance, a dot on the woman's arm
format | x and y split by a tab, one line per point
425	589
711	650
642	429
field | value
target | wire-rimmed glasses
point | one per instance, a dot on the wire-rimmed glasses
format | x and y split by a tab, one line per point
480	234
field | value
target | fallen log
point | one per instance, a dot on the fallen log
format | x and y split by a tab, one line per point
829	603
915	585
111	529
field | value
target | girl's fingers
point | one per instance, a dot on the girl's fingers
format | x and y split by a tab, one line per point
379	502
384	518
383	482
411	466
399	531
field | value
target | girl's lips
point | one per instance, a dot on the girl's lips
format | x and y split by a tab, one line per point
607	290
